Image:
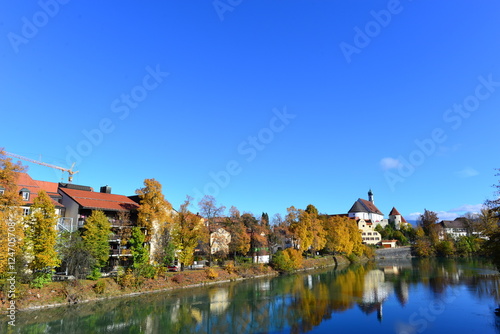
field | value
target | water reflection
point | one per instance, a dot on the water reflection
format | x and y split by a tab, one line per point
316	301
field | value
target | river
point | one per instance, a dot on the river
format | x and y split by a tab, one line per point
404	297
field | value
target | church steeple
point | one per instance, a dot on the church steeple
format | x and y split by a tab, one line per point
370	196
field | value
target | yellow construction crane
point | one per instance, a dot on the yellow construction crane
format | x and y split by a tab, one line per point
70	171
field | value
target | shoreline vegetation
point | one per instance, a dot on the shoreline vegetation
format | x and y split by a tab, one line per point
66	293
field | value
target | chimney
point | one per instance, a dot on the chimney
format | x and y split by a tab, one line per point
106	189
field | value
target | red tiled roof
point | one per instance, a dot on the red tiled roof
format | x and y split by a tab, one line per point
34	187
370	206
101	201
49	187
394	212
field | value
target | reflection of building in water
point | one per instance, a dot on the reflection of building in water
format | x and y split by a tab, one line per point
375	291
219	300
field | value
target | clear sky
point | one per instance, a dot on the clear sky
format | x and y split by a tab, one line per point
263	104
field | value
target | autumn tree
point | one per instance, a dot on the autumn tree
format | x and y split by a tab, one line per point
41	233
487	223
307	228
427	220
240	239
155	216
11	222
97	229
210	211
337	234
423	246
188	231
492	215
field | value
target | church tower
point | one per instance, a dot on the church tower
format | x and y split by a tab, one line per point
370	196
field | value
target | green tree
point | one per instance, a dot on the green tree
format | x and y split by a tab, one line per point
445	248
140	254
11	222
76	257
188	232
155	216
42	234
96	231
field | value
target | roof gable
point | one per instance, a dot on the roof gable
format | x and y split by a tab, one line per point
357	207
24	181
394	212
370	207
100	201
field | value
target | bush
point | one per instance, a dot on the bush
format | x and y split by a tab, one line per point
95	274
242	259
369	251
100	287
230	268
41	280
288	260
211	273
179	278
126	279
147	271
353	258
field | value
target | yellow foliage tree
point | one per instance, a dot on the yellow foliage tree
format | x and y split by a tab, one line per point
188	230
306	227
155	215
41	233
337	234
11	221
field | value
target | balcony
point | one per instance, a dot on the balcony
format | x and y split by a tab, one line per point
120	252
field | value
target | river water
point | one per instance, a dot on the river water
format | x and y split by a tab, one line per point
405	297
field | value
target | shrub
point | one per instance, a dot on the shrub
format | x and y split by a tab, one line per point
353	258
95	274
230	268
100	287
242	259
126	279
287	260
179	278
211	273
41	280
369	251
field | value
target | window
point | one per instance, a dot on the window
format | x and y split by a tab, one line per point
26	211
25	193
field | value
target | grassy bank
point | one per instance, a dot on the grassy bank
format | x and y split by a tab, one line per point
74	292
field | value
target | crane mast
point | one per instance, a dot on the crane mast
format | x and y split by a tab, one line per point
70	171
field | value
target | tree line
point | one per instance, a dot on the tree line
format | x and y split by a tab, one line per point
160	235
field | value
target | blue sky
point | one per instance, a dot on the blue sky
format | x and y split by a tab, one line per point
263	104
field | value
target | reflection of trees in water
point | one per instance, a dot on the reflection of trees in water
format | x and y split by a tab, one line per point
295	302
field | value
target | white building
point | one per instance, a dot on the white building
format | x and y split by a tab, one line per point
363	209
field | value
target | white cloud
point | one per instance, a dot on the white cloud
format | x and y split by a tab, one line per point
413	216
389	163
467	172
450	214
446	215
474	208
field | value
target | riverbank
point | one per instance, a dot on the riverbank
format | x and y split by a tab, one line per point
66	293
